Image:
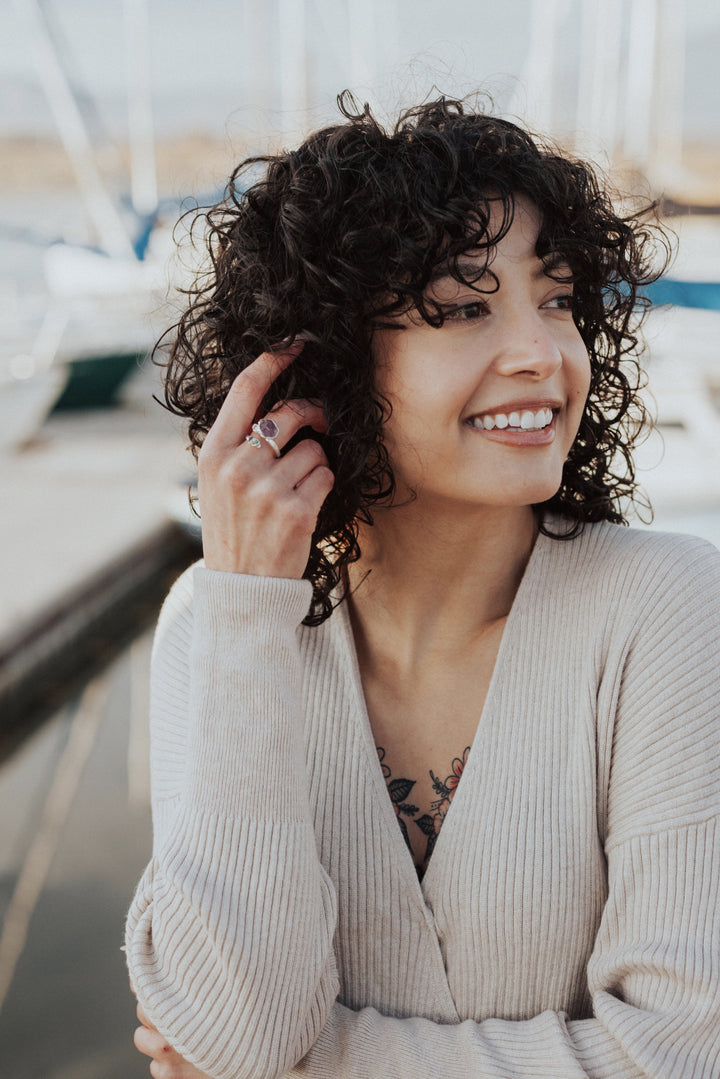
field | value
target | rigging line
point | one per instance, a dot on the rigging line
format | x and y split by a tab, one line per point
138	755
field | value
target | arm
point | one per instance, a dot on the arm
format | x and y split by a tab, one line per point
218	938
229	936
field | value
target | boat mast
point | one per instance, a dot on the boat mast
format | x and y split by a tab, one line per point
599	77
143	174
534	95
105	217
639	85
669	95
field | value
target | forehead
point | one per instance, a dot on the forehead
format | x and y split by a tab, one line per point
516	249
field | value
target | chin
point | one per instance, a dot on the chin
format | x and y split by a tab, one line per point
544	493
529	495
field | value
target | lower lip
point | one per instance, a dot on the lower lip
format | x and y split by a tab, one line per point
517	437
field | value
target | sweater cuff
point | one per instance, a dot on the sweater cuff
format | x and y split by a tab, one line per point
226	601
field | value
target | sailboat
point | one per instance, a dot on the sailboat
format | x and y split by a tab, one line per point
97	327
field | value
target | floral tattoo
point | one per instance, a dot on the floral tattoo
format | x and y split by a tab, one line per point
429	823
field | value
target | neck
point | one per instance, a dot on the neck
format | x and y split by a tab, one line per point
435	582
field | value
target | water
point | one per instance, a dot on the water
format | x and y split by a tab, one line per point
75	832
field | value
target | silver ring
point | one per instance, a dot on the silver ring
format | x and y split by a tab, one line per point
268	431
253	441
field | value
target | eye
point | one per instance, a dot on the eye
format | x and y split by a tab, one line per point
562	302
465	312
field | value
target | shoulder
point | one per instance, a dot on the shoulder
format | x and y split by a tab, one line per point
643	545
632	566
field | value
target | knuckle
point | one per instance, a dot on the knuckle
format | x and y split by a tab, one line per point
208	457
263	501
311	453
248	382
299	407
302	515
315	450
294	514
242	380
236	474
271	497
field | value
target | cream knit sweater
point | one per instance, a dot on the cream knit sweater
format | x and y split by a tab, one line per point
569	921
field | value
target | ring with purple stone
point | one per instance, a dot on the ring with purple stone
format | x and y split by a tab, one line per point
268	431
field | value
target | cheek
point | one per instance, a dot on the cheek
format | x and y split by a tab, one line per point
578	386
407	429
581	374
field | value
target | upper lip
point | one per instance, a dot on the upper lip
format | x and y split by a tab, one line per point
520	404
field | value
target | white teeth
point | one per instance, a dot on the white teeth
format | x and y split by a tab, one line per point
523	421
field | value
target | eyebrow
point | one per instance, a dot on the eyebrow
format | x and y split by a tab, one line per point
469	269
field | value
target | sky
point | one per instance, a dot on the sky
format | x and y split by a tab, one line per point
223	67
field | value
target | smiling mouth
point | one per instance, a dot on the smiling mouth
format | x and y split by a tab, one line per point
513	421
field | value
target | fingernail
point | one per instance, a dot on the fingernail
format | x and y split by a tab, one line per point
296	345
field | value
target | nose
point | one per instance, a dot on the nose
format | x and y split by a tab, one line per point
528	347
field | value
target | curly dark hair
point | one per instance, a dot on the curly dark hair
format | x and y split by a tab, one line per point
343	234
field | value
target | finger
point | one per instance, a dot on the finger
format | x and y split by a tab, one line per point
246	394
151	1043
143	1017
316	486
305	413
174	1068
284	421
297	464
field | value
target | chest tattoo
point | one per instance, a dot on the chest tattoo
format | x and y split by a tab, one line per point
409	814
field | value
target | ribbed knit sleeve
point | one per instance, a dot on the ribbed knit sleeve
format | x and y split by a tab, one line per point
654	974
229	936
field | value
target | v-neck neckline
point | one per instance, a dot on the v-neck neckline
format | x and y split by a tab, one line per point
421	887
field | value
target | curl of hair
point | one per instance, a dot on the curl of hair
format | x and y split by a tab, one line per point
343	234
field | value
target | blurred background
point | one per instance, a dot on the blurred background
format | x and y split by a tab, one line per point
115	115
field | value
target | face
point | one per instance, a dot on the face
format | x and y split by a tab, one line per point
486	407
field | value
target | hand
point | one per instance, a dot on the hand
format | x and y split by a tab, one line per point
165	1063
259	511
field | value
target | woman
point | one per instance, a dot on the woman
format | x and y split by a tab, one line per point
435	741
